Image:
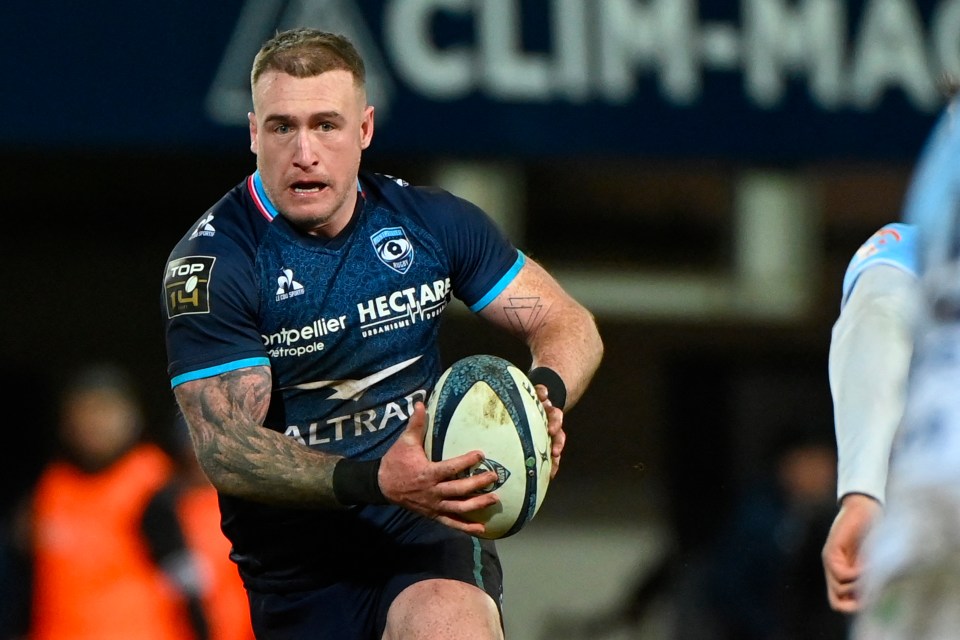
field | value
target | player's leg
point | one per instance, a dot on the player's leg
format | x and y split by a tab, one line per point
438	609
343	611
441	579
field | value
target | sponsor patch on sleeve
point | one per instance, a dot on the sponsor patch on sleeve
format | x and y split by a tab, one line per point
187	285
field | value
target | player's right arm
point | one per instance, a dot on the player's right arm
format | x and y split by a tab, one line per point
241	458
225	413
869	360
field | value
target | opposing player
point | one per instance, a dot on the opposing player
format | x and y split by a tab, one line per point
911	576
869	360
302	317
912	579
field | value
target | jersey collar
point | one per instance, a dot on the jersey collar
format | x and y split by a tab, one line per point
260	198
255	185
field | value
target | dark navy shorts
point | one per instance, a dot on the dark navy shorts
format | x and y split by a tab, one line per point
354	605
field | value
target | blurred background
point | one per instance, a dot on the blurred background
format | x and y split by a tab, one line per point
697	173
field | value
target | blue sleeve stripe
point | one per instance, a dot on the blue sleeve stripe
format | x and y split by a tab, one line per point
501	284
209	372
893	244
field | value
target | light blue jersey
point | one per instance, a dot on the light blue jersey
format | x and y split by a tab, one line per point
894	244
932	203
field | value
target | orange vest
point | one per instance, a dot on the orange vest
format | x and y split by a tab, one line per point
224	600
94	579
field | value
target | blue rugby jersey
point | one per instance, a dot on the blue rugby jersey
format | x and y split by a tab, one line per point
894	244
348	325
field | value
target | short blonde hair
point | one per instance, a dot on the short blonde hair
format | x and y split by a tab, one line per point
305	52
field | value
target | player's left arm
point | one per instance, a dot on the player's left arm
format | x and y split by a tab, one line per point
561	333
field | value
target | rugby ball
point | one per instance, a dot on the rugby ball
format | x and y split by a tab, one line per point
484	402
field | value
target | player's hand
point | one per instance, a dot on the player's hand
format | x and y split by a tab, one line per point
842	553
443	490
558	437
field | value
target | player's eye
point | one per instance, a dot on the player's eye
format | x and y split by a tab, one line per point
282	128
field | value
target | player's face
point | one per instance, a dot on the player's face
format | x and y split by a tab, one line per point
308	134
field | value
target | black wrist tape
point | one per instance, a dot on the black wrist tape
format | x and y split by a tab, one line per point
355	482
556	390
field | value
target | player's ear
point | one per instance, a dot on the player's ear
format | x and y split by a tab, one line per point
252	121
366	127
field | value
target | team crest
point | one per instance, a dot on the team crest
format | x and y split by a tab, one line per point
393	248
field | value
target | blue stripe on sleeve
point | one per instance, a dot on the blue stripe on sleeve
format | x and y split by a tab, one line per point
501	284
893	244
220	368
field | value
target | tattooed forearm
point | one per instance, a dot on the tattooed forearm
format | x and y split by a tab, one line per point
242	458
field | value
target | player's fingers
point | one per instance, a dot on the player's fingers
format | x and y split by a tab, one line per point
554	419
459	465
467	526
844	599
467	485
542	394
554	466
843	573
557	442
842	588
839	563
554	414
417	425
466	504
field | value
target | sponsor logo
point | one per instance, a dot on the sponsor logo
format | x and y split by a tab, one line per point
883	242
187	285
877	241
358	424
354	389
204	228
393	248
287	287
847	55
403	308
287	342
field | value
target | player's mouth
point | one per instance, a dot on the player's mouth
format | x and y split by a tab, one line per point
306	188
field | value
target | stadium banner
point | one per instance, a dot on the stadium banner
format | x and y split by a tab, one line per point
755	80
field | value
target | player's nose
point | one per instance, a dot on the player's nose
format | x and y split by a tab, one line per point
306	153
